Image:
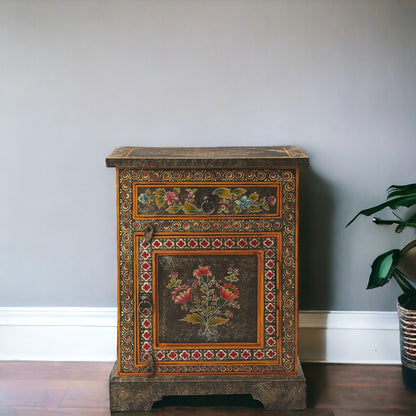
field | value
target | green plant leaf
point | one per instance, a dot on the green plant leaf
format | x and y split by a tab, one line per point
398	196
383	268
217	320
222	193
401	190
254	196
193	318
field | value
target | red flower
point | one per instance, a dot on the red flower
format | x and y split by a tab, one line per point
182	294
271	200
229	292
202	271
170	197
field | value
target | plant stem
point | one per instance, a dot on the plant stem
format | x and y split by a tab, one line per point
404	284
402	223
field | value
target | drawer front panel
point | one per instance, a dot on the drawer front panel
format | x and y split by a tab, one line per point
207	293
218	199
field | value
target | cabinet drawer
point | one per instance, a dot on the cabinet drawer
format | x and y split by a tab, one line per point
217	199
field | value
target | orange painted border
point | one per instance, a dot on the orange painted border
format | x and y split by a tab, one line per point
260	301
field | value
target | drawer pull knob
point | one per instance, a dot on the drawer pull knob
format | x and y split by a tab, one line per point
150	365
145	306
207	207
148	233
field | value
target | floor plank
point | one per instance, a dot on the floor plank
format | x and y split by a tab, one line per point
81	389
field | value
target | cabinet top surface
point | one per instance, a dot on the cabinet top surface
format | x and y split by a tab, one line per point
264	156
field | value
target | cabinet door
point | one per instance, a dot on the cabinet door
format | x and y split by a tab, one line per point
207	271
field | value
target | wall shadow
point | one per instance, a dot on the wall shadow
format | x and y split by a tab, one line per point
315	241
315	263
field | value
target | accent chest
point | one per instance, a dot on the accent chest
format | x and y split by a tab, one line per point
207	280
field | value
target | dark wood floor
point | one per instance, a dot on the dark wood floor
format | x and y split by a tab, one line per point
81	389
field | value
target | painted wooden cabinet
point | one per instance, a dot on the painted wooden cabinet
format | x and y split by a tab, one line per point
207	280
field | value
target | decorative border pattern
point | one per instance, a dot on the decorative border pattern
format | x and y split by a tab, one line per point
218	360
269	298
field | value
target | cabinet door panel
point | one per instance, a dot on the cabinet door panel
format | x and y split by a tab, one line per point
216	299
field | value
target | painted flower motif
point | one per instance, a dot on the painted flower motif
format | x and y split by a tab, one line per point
243	203
222	207
143	198
182	294
202	271
229	292
271	200
212	308
170	197
191	195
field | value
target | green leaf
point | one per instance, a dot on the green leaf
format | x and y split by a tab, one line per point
238	191
173	209
177	190
160	201
189	208
383	268
217	320
193	318
254	208
401	190
398	196
254	196
222	193
160	192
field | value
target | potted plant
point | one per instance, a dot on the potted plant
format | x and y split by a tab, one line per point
400	265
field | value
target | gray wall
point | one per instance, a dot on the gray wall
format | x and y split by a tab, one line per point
78	78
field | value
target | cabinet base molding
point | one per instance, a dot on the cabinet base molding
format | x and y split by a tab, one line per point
140	393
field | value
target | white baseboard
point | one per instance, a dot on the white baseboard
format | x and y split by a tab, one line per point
349	337
89	334
58	334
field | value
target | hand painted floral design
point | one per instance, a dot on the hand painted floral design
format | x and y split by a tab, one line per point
170	198
235	200
182	294
207	301
231	200
229	292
